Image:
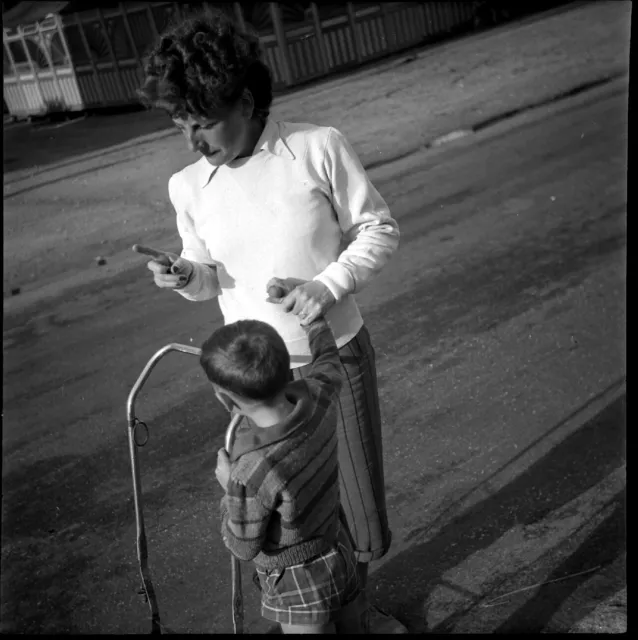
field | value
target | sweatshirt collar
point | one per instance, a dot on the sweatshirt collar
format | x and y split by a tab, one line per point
251	437
270	140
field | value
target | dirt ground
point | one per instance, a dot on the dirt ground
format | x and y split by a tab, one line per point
499	331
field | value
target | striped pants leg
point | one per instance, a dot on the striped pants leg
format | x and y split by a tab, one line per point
360	449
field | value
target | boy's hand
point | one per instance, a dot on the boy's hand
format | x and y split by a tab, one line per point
222	472
308	300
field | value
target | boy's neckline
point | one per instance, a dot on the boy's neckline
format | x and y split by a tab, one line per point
253	437
281	416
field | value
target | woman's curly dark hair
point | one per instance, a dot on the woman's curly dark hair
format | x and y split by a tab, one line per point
201	66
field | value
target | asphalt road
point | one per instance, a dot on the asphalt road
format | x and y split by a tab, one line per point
499	330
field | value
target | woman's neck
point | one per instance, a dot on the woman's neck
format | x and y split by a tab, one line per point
254	130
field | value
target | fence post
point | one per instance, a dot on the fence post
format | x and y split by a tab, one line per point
389	28
89	53
445	15
280	35
67	53
151	20
116	66
323	54
15	71
426	20
436	19
65	46
352	19
11	60
239	16
47	55
129	33
32	66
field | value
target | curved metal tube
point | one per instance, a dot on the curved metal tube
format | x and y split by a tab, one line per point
142	550
235	568
184	348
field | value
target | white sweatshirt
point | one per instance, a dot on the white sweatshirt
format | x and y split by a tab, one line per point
302	206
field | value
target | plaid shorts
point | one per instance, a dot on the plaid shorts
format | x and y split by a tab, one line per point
313	592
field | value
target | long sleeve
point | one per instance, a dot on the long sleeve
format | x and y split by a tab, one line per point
204	284
326	365
245	516
370	233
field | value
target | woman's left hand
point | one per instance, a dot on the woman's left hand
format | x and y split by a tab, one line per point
308	300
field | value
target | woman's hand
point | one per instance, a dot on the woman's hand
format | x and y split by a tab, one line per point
308	300
169	270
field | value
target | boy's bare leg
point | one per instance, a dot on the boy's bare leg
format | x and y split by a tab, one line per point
309	628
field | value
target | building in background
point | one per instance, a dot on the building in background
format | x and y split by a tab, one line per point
74	56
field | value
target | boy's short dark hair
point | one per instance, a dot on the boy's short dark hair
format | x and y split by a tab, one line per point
201	66
248	358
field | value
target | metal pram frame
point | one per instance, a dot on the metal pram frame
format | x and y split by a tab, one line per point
147	590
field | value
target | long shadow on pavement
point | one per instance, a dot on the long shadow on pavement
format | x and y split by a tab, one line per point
68	518
601	548
575	465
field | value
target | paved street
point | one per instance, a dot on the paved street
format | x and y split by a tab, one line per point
499	329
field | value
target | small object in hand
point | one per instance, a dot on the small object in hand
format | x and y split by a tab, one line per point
276	292
160	256
100	261
15	291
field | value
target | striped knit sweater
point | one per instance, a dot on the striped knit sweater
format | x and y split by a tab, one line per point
282	501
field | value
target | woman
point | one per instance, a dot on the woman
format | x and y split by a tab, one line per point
277	203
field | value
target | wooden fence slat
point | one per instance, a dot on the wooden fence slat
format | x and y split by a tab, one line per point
316	23
129	33
32	67
112	55
89	53
352	21
47	55
280	35
151	20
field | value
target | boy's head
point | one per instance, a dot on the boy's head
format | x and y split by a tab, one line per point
247	362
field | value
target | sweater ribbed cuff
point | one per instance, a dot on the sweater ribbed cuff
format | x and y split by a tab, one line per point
338	279
293	555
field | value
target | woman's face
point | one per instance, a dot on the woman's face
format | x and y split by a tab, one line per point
221	139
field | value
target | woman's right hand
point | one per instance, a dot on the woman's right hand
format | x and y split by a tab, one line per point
169	270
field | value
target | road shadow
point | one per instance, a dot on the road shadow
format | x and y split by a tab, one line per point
601	548
52	509
39	144
68	520
572	467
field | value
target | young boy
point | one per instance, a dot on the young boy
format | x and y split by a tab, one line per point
281	507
